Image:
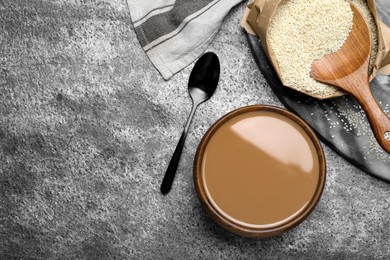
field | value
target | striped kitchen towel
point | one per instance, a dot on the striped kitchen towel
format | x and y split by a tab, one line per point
174	33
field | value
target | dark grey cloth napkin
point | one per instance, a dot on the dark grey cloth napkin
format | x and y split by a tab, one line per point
174	33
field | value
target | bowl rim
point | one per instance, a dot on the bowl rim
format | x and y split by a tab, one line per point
241	229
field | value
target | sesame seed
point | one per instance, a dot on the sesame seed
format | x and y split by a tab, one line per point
306	30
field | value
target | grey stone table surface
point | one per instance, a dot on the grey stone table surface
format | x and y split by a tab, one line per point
87	127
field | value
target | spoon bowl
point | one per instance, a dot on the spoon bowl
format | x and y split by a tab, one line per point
205	75
348	70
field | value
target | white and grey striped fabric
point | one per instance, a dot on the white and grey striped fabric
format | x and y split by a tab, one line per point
174	33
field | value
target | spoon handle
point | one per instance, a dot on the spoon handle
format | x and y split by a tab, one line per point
172	167
378	119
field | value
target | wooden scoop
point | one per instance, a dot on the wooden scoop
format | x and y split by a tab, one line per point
348	70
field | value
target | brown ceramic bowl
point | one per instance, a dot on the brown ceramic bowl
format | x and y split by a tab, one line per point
259	171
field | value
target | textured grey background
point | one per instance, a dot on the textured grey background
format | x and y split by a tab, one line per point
87	127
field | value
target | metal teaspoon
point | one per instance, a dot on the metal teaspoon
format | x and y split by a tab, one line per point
201	86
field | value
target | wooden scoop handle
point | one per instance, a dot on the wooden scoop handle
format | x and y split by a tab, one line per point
357	85
379	121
